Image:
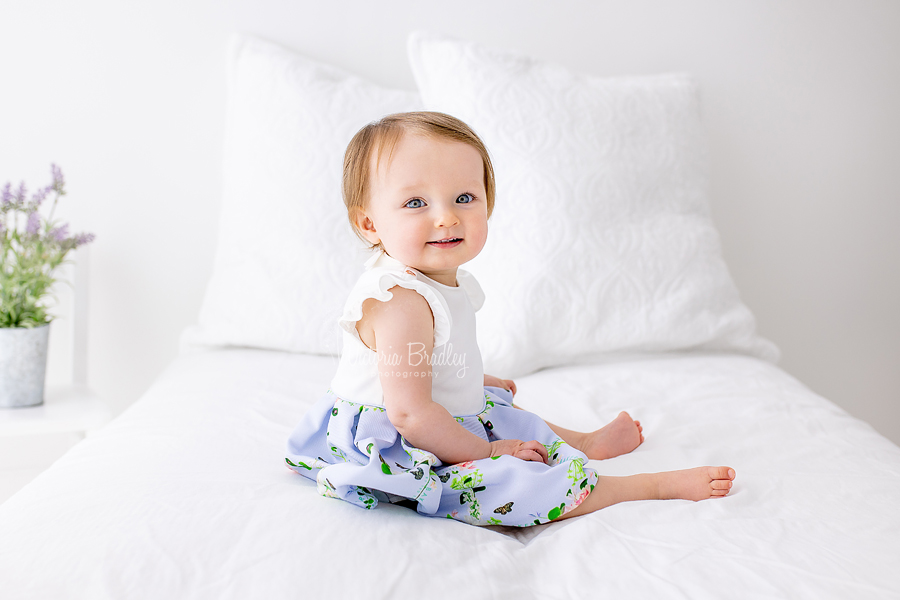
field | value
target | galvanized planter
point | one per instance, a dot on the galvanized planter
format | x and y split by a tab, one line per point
23	365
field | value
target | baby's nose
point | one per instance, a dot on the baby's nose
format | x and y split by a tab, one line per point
446	217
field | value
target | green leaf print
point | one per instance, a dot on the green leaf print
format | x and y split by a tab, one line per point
556	512
469	485
300	464
468	497
552	448
365	496
338	453
469	481
576	470
384	466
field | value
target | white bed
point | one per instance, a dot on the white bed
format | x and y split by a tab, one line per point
202	506
617	298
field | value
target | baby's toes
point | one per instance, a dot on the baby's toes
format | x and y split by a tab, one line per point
720	485
721	473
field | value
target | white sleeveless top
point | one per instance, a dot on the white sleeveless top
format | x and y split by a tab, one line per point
457	381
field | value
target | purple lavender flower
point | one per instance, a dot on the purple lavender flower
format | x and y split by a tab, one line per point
38	197
58	180
84	238
76	241
20	195
34	223
60	233
7	195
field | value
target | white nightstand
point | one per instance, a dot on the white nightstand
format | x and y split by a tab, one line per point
31	439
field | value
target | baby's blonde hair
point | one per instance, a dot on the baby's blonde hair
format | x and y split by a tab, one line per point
384	134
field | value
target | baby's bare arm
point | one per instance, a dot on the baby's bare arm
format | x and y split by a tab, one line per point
403	323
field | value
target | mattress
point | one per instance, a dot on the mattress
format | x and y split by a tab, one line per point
186	495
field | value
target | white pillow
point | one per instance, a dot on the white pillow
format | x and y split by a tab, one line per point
286	256
601	240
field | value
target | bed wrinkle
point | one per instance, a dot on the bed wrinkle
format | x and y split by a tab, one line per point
637	563
708	555
775	564
524	536
618	533
504	583
237	561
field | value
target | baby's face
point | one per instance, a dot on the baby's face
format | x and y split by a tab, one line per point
431	190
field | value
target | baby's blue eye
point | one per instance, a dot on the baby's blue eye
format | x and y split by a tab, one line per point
465	199
410	204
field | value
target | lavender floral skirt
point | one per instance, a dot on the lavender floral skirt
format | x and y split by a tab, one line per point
354	453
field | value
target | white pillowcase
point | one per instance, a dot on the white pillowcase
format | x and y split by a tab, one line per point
286	256
601	240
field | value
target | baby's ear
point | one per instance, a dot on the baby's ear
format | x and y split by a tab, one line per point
366	227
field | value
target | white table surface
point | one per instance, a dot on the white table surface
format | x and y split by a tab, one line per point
65	409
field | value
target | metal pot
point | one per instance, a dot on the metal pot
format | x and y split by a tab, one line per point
23	365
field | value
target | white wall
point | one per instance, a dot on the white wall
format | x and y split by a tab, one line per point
799	100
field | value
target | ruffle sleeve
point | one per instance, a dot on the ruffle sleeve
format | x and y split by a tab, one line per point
473	289
376	283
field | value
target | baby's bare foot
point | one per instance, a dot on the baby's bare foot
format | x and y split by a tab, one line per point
622	435
696	484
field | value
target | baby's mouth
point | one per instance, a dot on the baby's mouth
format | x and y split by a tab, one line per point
446	242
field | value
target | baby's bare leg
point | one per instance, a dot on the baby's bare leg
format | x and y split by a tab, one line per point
690	484
620	436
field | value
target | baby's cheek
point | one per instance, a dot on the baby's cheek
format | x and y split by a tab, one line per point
478	235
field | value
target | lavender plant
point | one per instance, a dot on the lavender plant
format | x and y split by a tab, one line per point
31	249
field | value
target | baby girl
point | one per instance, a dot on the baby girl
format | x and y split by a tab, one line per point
411	417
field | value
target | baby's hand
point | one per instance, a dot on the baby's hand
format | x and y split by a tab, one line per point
532	450
506	384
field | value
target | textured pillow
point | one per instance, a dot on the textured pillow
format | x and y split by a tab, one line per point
601	240
286	256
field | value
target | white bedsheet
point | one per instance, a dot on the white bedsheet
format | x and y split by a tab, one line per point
186	496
